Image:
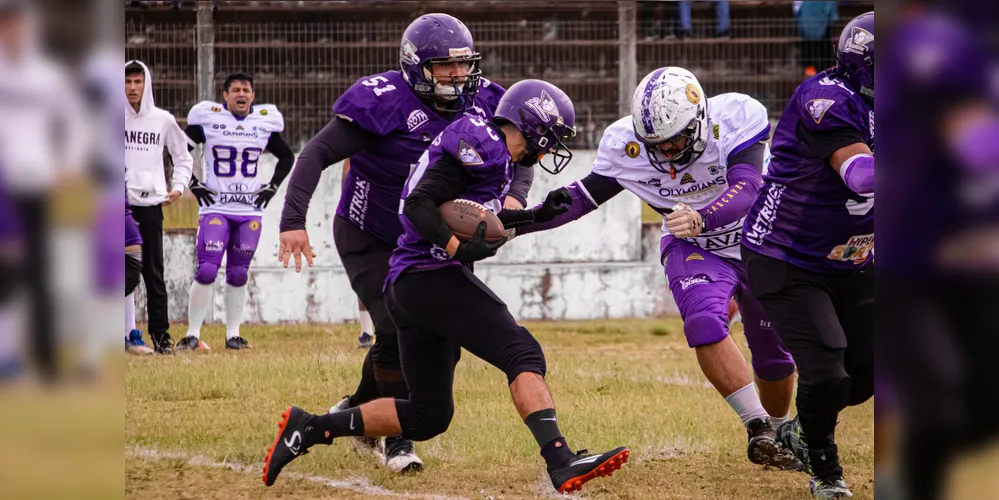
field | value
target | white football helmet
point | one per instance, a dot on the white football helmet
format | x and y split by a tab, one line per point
669	105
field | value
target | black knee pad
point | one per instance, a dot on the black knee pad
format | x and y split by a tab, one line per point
423	421
385	354
828	388
523	355
133	271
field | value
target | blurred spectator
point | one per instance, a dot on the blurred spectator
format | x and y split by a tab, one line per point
814	23
721	9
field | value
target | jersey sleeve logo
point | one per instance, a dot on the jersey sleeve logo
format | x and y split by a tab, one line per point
467	154
687	179
632	149
818	107
716	131
416	118
216	109
263	112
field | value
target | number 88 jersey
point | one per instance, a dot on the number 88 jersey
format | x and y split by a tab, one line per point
233	147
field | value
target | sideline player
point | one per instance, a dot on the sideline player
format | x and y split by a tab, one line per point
808	246
383	123
707	155
471	159
235	134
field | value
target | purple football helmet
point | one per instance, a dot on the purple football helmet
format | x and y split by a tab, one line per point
546	117
439	39
855	54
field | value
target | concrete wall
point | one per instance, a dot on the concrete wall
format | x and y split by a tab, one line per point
602	266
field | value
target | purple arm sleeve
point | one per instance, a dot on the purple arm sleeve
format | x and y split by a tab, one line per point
587	194
744	182
335	142
858	172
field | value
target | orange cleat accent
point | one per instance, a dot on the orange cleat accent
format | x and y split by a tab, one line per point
605	469
270	451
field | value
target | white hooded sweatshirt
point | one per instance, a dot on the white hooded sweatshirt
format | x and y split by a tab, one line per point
146	133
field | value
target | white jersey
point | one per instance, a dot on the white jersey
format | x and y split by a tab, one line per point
735	121
232	151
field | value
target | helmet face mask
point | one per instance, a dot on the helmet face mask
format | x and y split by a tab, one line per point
546	118
684	156
669	109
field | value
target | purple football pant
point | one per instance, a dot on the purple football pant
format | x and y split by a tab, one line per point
235	235
702	284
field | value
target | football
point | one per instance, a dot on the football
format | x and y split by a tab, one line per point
463	217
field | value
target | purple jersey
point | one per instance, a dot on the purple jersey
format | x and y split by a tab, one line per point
480	149
805	214
384	105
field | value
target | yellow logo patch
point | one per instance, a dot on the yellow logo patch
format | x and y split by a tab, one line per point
215	222
263	112
632	149
254	225
694	256
693	95
216	109
687	179
716	131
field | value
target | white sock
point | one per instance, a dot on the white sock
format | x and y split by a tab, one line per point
780	420
746	403
367	326
235	299
198	304
129	314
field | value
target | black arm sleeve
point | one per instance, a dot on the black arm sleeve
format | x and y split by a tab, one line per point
336	141
442	182
601	188
280	149
196	134
753	155
825	143
523	178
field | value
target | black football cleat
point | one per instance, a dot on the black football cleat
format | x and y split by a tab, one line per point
290	442
791	438
763	448
581	469
162	344
188	343
237	343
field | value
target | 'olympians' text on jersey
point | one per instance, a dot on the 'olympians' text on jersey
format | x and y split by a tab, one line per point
735	122
232	151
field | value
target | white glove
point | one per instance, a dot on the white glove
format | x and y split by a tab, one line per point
684	222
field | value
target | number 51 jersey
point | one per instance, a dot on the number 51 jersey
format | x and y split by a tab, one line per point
233	146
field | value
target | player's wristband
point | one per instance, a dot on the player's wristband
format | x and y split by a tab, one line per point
858	173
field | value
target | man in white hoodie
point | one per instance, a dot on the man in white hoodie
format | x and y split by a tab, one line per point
147	130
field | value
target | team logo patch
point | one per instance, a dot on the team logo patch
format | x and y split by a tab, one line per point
859	38
687	179
467	154
215	222
693	95
694	256
716	131
416	118
697	279
408	52
254	225
263	112
239	127
460	52
716	169
632	149
216	109
818	107
857	249
544	106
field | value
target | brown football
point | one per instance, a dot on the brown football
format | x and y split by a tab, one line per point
463	217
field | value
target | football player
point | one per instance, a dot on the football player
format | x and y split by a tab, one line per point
133	271
706	157
383	123
472	159
808	248
235	134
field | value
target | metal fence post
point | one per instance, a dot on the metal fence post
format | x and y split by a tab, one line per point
627	58
205	39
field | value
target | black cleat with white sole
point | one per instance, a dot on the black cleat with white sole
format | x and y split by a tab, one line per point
290	442
584	467
400	456
763	448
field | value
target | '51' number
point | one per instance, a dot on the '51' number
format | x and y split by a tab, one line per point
374	82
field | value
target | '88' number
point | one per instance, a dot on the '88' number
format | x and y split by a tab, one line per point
226	157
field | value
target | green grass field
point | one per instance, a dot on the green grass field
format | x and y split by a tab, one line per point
197	425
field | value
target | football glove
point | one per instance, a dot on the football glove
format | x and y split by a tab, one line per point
556	203
204	194
684	222
264	195
477	248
